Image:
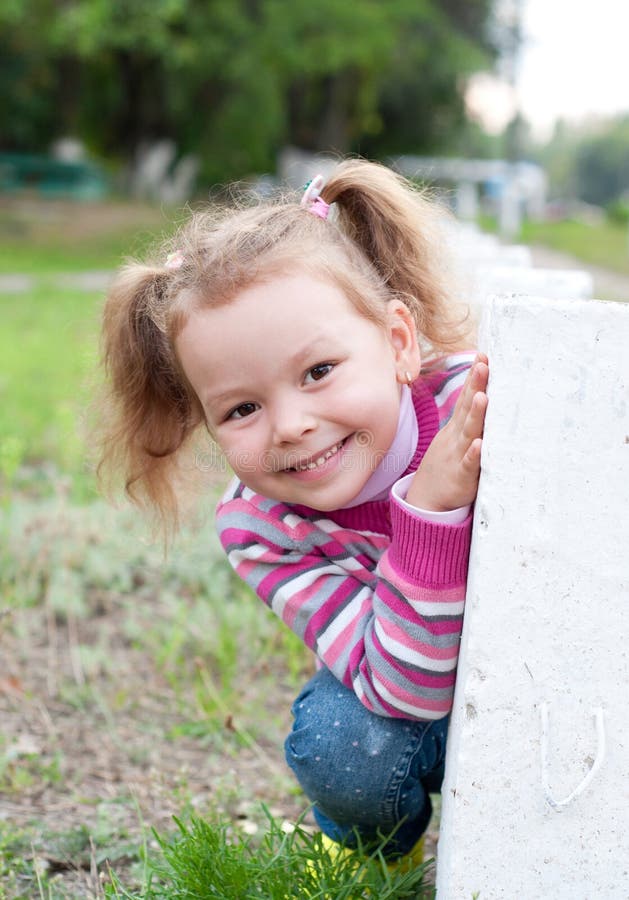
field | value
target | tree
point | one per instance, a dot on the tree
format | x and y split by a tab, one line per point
234	80
588	160
602	164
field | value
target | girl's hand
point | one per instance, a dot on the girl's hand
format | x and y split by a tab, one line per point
447	477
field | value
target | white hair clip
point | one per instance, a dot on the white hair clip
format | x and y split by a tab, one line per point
311	199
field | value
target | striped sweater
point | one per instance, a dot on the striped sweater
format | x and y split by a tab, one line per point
376	591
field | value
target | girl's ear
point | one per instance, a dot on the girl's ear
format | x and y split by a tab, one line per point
402	334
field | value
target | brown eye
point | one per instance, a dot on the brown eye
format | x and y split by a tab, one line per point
319	371
242	411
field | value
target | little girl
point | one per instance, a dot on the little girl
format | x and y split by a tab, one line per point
294	332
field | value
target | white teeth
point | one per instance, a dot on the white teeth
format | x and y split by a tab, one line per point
321	459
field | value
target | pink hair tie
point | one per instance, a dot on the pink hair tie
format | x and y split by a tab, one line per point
174	260
312	201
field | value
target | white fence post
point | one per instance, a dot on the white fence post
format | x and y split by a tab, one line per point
536	795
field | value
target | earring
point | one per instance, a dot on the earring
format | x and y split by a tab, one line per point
409	378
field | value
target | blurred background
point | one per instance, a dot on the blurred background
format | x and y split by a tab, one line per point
122	696
164	99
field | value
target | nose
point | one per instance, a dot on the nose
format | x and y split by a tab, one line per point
291	420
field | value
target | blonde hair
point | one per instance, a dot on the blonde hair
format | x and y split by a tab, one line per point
382	241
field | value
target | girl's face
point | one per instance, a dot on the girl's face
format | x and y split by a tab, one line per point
301	392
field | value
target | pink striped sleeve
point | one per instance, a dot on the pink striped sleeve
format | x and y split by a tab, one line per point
386	624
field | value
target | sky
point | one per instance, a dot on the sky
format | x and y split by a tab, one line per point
574	63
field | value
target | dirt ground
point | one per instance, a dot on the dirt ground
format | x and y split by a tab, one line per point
99	747
92	763
607	285
93	767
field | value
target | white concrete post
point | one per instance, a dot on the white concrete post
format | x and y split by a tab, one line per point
467	200
560	284
536	794
510	211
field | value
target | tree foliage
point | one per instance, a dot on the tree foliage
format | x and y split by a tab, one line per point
589	161
602	164
233	80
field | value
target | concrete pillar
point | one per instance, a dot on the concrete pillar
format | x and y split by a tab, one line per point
514	255
510	211
560	284
536	794
467	200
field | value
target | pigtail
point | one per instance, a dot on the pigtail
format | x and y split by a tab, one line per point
401	232
147	412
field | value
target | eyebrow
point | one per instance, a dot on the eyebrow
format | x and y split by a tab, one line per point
224	398
309	349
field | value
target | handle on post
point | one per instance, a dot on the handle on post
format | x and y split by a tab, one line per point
560	805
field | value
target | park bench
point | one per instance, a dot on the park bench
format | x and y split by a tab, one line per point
535	801
50	177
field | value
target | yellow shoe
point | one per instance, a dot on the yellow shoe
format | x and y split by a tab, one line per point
404	864
334	850
411	860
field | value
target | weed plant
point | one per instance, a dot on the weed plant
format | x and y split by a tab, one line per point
210	861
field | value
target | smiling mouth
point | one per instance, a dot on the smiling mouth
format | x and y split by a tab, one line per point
319	461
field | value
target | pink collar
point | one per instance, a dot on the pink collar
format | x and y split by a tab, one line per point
398	456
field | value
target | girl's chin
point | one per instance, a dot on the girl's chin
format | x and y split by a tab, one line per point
324	497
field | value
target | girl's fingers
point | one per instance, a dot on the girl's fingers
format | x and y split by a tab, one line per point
471	460
470	472
475	419
480	375
472	426
475	382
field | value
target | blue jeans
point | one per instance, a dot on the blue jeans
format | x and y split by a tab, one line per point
364	773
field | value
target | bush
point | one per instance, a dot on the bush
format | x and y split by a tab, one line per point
618	212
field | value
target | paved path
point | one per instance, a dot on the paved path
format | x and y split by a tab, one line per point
608	285
82	281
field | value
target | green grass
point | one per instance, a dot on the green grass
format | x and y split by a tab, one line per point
48	348
209	860
605	244
53	255
49	335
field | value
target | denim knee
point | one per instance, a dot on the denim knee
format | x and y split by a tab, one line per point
363	771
